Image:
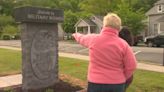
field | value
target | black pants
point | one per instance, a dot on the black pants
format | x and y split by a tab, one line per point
93	87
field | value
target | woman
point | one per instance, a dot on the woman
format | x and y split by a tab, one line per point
126	35
112	61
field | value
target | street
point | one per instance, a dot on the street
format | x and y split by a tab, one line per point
150	54
145	54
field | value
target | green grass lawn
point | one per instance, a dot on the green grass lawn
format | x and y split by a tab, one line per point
144	81
10	62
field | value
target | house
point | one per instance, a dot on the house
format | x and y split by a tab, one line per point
91	25
156	18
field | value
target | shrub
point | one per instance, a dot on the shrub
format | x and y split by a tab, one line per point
6	20
6	37
11	30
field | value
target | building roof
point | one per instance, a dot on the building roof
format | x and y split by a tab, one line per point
99	17
87	22
90	22
153	10
159	2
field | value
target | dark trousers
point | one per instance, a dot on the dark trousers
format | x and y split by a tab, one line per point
128	82
93	87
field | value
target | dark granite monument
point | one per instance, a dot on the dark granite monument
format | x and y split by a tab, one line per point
39	37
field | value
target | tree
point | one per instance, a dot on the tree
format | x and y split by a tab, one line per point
130	18
39	3
131	11
4	21
10	30
69	22
98	7
145	5
6	7
72	5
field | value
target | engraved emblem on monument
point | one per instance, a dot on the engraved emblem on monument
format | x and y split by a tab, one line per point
42	54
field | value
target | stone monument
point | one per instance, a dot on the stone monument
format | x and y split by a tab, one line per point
39	40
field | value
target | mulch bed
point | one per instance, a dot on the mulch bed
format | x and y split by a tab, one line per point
59	87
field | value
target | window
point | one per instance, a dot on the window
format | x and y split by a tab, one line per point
155	29
159	8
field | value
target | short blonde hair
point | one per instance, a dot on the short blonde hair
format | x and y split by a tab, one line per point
112	20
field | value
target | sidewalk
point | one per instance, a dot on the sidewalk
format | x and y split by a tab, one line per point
17	79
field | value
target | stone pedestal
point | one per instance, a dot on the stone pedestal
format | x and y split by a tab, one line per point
39	37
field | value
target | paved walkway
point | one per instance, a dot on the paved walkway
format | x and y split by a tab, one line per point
17	79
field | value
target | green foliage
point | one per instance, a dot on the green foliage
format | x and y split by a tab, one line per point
0	34
98	7
145	5
72	5
6	37
6	7
83	15
39	3
70	19
76	9
132	19
130	15
10	30
4	21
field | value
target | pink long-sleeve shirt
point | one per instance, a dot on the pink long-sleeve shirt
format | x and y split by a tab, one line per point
111	59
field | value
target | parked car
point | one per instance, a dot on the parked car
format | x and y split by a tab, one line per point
157	40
